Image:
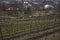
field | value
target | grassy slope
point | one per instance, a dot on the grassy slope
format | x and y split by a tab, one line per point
13	28
9	29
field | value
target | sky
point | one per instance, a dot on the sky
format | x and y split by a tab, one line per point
20	0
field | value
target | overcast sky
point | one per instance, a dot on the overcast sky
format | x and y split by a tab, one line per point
16	0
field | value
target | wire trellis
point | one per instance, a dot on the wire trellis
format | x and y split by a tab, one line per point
19	21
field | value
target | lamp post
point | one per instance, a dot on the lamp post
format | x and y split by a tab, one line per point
22	5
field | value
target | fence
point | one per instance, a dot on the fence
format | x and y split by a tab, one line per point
32	23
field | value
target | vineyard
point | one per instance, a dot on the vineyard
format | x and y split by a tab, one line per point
39	25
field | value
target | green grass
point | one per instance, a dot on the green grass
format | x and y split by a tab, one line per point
13	28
